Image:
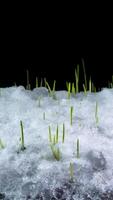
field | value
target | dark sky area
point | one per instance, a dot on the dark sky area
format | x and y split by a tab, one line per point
52	49
100	68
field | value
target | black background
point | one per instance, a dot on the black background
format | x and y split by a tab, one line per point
50	45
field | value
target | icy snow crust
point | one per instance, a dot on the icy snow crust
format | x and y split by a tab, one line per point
34	173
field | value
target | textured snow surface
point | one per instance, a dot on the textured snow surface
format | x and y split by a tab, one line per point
34	173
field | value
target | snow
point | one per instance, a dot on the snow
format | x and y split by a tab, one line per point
34	173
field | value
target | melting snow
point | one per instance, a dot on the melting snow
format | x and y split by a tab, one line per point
34	173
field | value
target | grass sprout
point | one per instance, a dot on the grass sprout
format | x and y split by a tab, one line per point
73	89
50	136
22	137
37	84
84	71
63	134
78	149
55	138
85	91
77	78
28	87
71	115
71	171
68	89
93	87
56	152
51	91
53	141
90	85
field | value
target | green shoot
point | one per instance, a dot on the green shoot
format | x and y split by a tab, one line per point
50	137
56	152
85	91
1	145
54	140
22	137
45	82
90	85
78	149
71	170
71	115
36	82
28	87
69	90
84	74
77	78
54	85
96	113
73	89
51	92
63	135
57	134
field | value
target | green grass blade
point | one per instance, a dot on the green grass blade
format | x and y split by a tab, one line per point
69	90
63	134
78	149
50	136
57	134
71	170
36	82
22	136
84	71
71	115
85	91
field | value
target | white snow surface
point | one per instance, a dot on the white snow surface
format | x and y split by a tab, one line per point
34	173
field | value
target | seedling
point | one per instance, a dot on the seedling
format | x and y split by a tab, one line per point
77	78
28	87
56	152
22	137
1	145
57	135
83	64
69	89
90	84
71	171
63	134
85	91
51	92
50	136
78	149
71	115
96	113
37	82
53	141
41	82
73	89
